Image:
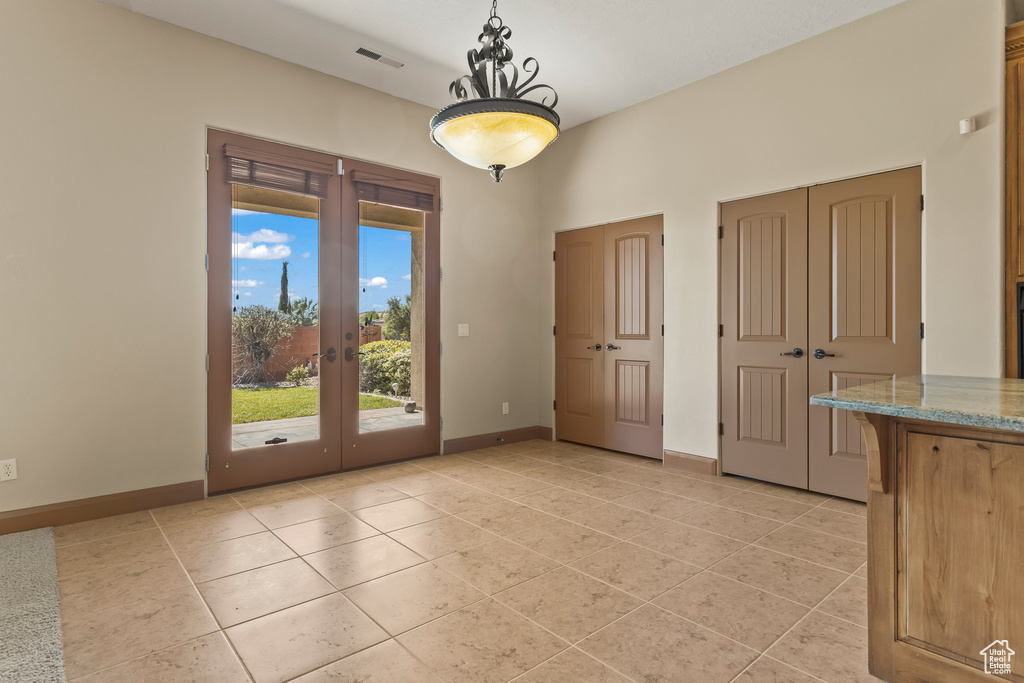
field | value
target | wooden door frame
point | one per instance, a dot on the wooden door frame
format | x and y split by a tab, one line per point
263	464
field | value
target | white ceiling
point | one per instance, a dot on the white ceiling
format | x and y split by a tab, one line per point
600	55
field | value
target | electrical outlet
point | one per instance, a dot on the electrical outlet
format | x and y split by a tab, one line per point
8	469
504	408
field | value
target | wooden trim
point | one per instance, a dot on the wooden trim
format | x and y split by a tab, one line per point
873	429
1015	53
86	509
685	462
1015	40
472	443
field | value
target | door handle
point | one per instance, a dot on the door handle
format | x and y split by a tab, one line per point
796	353
612	347
331	355
820	353
595	347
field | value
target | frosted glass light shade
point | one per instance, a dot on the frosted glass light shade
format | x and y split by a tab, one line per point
494	131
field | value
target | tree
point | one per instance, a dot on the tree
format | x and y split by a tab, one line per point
304	313
255	332
398	319
284	304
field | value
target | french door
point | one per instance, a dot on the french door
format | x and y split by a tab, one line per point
308	254
609	336
820	290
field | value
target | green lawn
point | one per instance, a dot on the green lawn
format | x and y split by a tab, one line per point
257	405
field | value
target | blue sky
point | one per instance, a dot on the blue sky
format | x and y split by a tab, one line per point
261	241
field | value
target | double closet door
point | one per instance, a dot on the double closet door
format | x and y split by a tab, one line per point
311	259
820	290
609	336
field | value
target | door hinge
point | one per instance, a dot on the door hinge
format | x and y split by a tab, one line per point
440	204
207	362
922	202
721	330
207	162
662	330
662	240
554	330
341	167
721	231
662	420
721	429
440	273
207	462
206	261
554	256
921	331
554	405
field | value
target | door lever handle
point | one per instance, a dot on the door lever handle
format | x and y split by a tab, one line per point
331	355
796	353
612	347
595	347
820	353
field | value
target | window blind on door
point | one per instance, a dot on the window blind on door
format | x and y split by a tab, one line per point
382	189
276	172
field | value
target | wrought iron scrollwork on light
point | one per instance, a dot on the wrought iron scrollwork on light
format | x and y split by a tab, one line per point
497	129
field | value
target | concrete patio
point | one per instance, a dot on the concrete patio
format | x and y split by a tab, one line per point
306	428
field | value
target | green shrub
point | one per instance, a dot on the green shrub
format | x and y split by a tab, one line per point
383	363
255	332
297	374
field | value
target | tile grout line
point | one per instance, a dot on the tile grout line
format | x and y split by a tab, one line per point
209	610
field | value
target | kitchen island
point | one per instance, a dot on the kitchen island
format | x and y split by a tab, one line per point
945	525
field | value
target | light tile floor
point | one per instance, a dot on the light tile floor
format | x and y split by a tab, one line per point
537	562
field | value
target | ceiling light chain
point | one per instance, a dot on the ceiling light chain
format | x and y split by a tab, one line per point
498	129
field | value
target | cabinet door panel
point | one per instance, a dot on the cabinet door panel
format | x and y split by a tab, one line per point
962	507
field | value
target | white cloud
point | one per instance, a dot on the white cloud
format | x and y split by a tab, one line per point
246	293
374	282
245	283
407	277
307	255
265	235
261	252
243	268
242	212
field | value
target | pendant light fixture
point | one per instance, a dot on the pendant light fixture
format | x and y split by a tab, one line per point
497	129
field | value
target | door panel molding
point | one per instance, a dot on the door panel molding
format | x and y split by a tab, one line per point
764	303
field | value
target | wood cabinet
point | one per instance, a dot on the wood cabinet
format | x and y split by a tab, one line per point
1014	189
945	558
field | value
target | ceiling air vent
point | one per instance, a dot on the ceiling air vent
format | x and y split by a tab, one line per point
377	57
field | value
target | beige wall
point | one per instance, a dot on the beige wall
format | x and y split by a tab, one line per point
103	231
881	93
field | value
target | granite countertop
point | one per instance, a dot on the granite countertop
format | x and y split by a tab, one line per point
975	401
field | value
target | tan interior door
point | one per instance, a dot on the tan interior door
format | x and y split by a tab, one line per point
579	335
764	315
609	357
633	355
864	309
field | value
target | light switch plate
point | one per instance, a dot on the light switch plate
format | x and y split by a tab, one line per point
463	329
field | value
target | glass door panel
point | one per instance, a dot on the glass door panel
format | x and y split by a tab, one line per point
391	318
275	333
390	407
274	312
